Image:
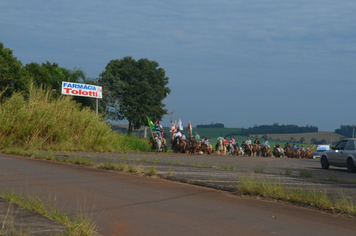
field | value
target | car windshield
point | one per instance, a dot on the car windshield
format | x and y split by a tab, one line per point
341	145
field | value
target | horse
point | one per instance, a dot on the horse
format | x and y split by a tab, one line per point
256	149
266	152
206	148
278	152
288	152
193	146
302	153
230	149
178	145
158	144
247	149
295	153
241	151
308	154
237	150
220	147
153	143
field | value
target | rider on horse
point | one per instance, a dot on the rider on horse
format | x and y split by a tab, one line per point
196	136
232	140
248	142
159	134
257	142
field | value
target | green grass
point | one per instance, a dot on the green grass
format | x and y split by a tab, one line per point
109	166
232	168
288	172
334	178
224	167
305	174
259	169
81	224
132	169
152	171
258	187
46	122
178	163
170	172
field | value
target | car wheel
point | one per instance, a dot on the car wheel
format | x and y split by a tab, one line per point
324	163
351	165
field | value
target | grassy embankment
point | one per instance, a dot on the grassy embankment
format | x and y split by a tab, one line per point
44	122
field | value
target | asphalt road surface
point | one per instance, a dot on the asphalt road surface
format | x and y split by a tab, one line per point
124	204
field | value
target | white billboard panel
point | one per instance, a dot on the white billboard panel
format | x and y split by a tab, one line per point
84	90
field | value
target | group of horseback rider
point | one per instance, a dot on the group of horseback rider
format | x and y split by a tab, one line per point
193	144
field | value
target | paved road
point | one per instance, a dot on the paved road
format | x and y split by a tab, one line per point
132	205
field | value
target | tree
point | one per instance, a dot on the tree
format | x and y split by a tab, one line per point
133	90
302	140
50	74
11	77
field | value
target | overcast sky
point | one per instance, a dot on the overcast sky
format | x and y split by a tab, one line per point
239	63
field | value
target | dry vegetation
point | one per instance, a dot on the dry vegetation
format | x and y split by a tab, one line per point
44	121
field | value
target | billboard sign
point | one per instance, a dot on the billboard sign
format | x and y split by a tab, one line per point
84	90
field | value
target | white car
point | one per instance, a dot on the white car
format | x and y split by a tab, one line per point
319	150
342	155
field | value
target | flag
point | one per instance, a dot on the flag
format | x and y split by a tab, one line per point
150	124
158	125
180	125
189	128
172	127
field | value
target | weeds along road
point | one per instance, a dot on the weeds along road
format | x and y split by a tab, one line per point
125	204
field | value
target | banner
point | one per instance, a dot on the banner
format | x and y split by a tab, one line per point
83	90
158	125
189	128
150	124
180	125
172	129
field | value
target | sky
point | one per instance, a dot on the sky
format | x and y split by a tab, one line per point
240	63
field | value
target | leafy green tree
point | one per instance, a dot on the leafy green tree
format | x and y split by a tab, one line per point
50	74
302	140
37	73
133	90
11	77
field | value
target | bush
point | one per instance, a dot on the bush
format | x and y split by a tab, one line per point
49	123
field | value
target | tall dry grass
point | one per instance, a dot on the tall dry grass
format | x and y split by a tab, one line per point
48	122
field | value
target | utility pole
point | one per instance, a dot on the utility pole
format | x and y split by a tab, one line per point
97	101
353	132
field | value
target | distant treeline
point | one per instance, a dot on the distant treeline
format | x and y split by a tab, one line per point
216	125
345	130
276	129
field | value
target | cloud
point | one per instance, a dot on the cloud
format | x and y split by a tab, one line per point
245	49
